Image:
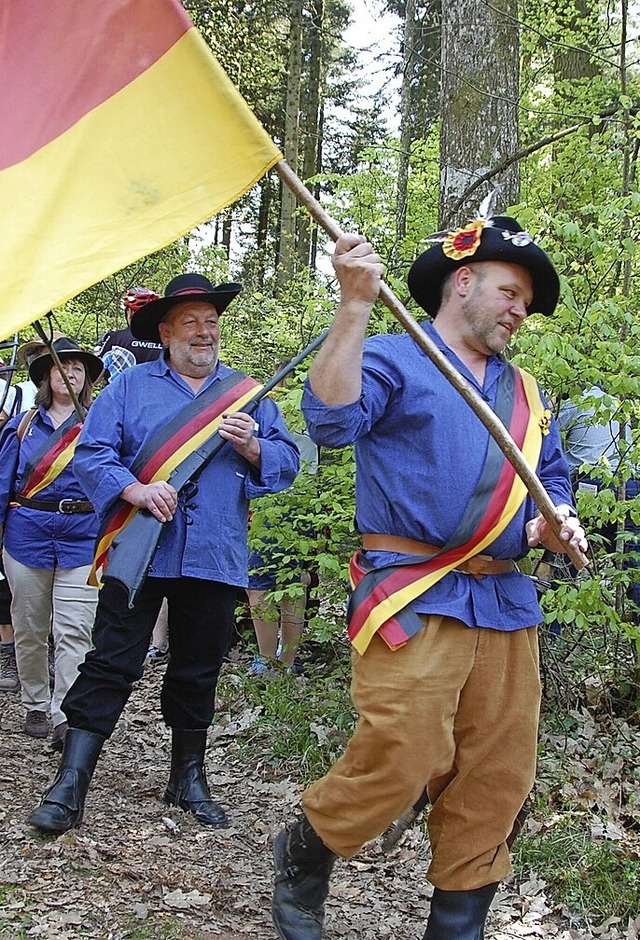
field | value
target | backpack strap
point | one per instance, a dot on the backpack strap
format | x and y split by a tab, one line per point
17	401
26	420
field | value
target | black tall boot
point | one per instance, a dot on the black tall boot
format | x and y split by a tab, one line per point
303	867
459	915
62	805
187	787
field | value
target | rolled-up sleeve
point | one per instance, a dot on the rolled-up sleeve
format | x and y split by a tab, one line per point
279	454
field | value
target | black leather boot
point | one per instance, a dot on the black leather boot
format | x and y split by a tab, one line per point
303	867
62	805
187	787
459	915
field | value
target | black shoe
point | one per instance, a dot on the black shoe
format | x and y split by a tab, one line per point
187	787
62	805
303	868
459	915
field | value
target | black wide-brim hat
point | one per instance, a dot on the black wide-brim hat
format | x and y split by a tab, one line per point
144	322
497	239
66	349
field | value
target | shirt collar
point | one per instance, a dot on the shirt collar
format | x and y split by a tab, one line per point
495	363
161	367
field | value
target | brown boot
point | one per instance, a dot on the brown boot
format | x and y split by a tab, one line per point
36	724
9	678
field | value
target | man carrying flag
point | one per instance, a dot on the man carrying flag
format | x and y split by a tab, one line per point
445	668
146	422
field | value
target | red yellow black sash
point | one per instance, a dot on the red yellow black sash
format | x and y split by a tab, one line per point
381	597
162	453
50	458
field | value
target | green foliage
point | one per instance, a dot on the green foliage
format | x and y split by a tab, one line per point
592	878
582	836
311	523
303	724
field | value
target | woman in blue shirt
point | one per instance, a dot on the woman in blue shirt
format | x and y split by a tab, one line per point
49	533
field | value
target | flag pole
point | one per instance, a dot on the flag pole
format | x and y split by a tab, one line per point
492	423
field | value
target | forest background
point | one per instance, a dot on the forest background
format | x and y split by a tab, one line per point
540	100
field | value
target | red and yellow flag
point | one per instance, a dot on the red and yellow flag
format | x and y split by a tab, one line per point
120	132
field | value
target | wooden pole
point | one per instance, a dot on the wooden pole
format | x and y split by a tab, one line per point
493	424
48	341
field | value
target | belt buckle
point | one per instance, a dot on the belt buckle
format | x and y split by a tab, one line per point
477	566
65	506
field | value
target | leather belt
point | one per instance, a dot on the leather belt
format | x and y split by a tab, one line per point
478	566
65	506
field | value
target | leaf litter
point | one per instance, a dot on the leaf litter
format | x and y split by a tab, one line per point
136	868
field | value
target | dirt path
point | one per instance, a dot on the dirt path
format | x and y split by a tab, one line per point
137	870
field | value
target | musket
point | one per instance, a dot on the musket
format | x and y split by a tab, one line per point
394	833
492	423
133	549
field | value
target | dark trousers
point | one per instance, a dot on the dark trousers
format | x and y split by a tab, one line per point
201	619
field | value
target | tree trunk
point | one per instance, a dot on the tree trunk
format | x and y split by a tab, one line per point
480	77
312	130
407	130
286	252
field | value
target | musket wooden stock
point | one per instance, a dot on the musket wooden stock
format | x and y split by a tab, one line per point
133	549
493	424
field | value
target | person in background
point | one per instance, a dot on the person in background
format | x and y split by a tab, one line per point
445	664
19	397
158	652
120	349
279	626
49	533
22	395
9	679
595	447
144	422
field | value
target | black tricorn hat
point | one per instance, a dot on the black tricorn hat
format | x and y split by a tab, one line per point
66	349
497	239
144	322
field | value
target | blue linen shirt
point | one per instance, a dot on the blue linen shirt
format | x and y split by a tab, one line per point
35	538
420	450
207	537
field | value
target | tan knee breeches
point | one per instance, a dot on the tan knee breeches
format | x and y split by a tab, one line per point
456	710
